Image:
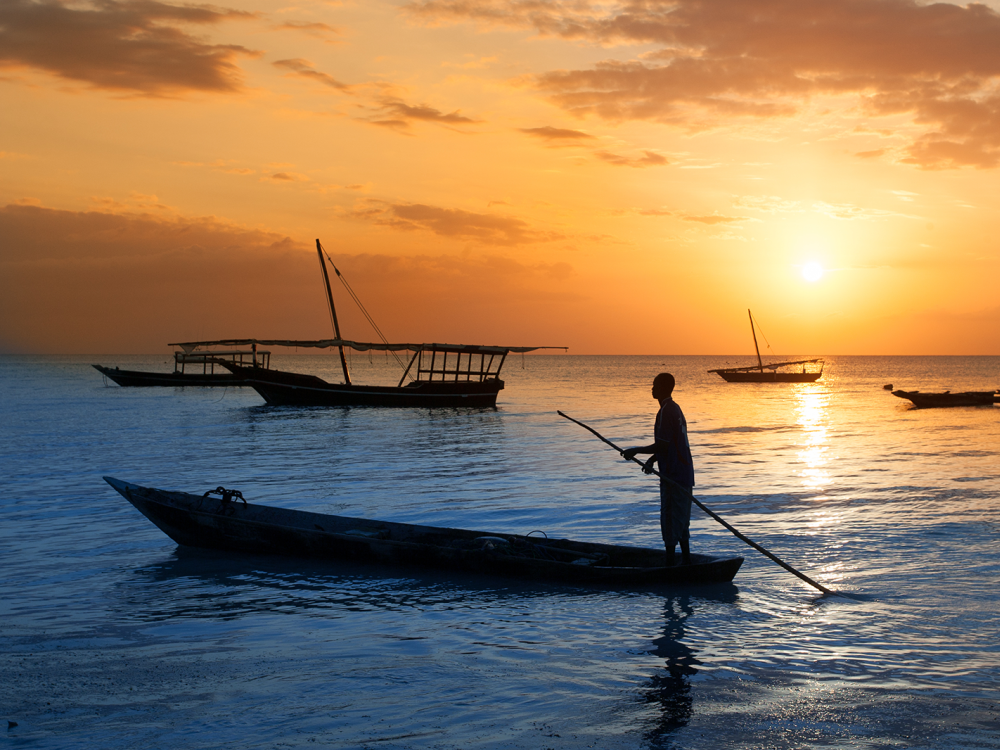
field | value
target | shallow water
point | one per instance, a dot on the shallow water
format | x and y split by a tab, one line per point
116	638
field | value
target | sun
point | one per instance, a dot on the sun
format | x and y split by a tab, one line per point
812	271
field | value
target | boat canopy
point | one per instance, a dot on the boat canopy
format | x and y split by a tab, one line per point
208	359
190	346
430	362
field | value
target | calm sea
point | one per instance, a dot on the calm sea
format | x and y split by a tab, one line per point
113	637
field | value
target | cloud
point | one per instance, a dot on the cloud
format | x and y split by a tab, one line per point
454	272
287	177
490	229
771	204
320	30
305	69
649	159
768	204
396	114
559	136
100	281
848	211
129	281
717	61
133	46
715	219
476	62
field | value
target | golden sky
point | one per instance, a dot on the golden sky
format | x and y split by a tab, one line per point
616	177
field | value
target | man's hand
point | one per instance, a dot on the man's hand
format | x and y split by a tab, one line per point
629	453
647	468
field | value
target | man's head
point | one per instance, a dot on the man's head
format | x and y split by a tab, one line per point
663	386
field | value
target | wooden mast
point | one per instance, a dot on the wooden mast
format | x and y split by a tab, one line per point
333	311
760	364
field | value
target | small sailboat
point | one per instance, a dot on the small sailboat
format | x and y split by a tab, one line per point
191	368
441	375
773	372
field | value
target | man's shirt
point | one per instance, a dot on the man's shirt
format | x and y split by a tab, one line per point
673	453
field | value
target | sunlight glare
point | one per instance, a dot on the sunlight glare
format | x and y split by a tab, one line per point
812	271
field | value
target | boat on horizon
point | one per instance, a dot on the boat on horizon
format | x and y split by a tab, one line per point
772	372
947	398
440	375
229	523
182	376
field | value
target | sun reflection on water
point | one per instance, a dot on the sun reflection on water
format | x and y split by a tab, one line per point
812	415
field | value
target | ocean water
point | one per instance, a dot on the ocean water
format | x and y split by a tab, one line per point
113	637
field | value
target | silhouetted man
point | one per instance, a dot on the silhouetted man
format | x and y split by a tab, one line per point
673	454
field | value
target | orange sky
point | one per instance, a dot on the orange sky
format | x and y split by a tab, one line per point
616	177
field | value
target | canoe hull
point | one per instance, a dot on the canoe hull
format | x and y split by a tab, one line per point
769	377
207	522
941	400
280	388
141	379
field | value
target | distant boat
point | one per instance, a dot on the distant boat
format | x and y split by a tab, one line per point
225	523
773	372
442	375
183	376
939	400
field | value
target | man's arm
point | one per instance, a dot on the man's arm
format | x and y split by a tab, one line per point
660	445
629	453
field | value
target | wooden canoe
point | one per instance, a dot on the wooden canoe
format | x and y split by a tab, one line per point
140	378
192	366
211	522
940	400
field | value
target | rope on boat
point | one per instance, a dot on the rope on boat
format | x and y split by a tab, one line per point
754	320
714	515
227	495
364	311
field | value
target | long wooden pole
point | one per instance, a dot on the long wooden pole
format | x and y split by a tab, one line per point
718	518
760	363
333	311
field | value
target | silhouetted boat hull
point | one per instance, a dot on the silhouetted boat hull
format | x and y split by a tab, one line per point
940	400
768	376
202	521
441	375
138	378
190	357
280	388
773	372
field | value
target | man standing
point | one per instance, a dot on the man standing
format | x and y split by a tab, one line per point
673	454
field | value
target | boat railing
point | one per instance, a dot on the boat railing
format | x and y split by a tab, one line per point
209	359
455	364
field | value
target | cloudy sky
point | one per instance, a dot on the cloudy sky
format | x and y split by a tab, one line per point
616	177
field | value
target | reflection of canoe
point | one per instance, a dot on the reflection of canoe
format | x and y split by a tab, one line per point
938	400
203	521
